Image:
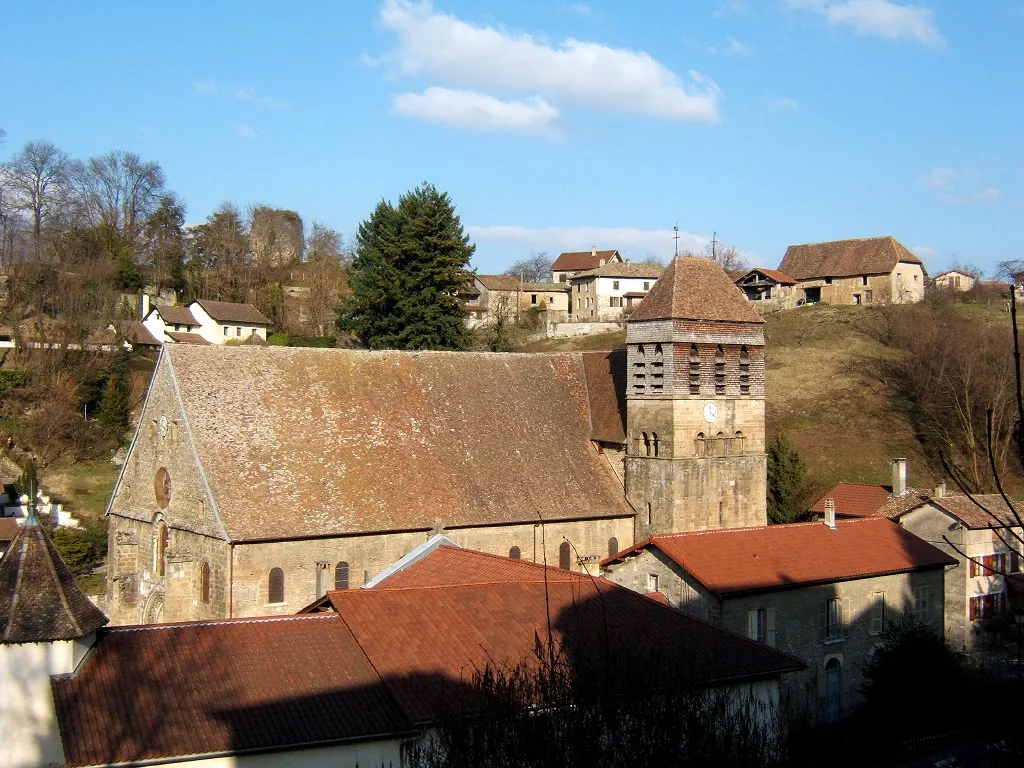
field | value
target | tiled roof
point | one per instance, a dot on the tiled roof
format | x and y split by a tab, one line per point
617	269
8	528
499	282
138	334
571	261
973	516
772	274
740	560
558	287
176	315
39	598
342	441
693	288
255	340
845	258
854	499
176	690
187	338
606	386
435	635
230	312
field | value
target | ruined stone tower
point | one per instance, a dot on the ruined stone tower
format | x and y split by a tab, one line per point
695	456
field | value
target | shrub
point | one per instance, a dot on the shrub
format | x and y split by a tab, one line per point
278	339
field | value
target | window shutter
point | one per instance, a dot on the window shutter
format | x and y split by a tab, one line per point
771	626
752	624
822	620
844	611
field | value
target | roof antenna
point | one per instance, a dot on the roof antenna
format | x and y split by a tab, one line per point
676	238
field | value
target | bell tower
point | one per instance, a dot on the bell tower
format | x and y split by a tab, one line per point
695	452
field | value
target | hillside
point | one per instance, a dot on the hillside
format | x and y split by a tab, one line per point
821	396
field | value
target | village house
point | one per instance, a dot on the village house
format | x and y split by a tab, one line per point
570	262
769	288
875	270
954	280
868	500
336	685
204	321
505	297
260	478
608	293
822	591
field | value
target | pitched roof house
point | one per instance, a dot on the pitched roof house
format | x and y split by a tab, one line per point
571	262
776	289
871	270
506	297
204	322
820	591
606	293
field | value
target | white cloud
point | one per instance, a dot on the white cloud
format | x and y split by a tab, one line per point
479	111
879	18
732	7
736	48
633	243
579	9
986	196
785	104
939	178
581	72
240	93
923	251
247	132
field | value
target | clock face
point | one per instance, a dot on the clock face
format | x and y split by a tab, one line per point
162	487
710	412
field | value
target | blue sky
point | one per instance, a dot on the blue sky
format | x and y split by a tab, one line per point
556	126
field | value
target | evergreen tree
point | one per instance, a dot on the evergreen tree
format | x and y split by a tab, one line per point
114	412
409	267
786	490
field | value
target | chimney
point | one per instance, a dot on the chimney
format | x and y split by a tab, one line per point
830	513
144	304
899	477
940	490
593	250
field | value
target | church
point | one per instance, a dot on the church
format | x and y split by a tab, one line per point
260	478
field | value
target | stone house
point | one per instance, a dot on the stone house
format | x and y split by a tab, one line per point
822	592
205	321
259	478
954	280
570	262
505	296
875	270
985	545
769	288
867	500
607	293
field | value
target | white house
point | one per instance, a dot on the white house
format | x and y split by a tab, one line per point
603	293
205	322
955	280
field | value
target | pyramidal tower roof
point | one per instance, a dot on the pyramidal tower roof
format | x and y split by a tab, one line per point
693	288
39	599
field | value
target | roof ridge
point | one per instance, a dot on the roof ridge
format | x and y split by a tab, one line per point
239	620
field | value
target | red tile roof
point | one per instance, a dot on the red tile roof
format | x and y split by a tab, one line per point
176	690
740	560
575	261
845	258
39	598
854	499
368	441
773	274
693	288
231	312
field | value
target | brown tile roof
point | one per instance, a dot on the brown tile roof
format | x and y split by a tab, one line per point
606	386
845	258
230	312
558	287
39	598
693	288
635	294
617	269
973	516
177	690
138	334
187	338
176	315
773	274
255	340
571	261
499	282
8	528
854	499
740	560
345	441
454	623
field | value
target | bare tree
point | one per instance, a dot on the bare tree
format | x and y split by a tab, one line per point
325	275
120	190
536	268
325	244
222	243
1011	270
37	176
727	256
163	245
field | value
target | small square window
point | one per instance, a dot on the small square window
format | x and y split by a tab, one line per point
615	285
653	582
225	330
647	285
238	331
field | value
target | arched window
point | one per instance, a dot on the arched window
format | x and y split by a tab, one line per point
613	546
647	444
833	686
744	371
514	553
694	370
719	371
658	370
739	442
701	445
204	582
640	371
162	539
563	555
654	442
341	575
275	591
